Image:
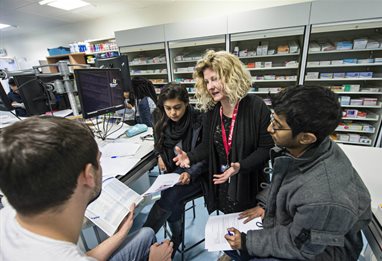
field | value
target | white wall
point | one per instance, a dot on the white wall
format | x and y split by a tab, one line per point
30	48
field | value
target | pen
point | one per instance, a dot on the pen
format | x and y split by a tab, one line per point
229	233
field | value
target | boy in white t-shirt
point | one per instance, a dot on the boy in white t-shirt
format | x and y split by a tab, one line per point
49	172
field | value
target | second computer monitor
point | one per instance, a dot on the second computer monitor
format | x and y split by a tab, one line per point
100	91
33	94
120	62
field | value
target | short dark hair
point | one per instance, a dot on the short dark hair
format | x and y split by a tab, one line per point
312	109
170	91
11	81
41	159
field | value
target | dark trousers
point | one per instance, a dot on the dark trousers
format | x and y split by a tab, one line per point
172	199
245	257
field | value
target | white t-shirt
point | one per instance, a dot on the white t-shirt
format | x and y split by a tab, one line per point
17	243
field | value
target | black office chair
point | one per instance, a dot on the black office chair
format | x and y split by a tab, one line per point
183	249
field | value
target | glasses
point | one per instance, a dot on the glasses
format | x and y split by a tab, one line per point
273	125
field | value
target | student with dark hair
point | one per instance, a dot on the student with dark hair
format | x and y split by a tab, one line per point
15	98
49	172
145	100
177	124
316	204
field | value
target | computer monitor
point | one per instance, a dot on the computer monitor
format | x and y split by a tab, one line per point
100	91
120	62
33	94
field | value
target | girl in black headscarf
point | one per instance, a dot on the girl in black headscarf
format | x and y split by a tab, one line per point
177	124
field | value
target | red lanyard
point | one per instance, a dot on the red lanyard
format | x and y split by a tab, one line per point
228	144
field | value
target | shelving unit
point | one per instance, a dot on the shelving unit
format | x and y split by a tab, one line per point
273	57
348	59
185	54
72	58
148	61
101	49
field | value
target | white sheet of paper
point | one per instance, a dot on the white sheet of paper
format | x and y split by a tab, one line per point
117	166
216	229
62	113
118	149
163	182
111	207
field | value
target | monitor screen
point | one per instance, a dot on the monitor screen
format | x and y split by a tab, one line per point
100	91
120	62
32	93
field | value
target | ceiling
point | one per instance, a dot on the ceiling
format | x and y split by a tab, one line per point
28	15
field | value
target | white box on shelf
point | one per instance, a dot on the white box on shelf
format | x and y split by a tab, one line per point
359	43
325	62
313	63
267	64
312	75
342	137
345	100
354	137
337	62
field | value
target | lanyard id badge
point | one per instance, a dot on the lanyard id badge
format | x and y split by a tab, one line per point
228	143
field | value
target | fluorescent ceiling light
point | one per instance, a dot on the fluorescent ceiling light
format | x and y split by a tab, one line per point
4	26
64	4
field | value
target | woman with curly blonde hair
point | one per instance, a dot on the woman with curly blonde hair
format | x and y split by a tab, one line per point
235	139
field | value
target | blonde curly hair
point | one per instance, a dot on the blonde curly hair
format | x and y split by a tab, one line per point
235	78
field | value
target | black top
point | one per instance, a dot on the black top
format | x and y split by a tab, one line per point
250	147
15	97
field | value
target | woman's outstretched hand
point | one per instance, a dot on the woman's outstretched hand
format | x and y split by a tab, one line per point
181	159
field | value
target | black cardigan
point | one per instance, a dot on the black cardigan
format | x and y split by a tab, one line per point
250	147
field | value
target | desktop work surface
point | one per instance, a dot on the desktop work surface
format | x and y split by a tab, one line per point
142	160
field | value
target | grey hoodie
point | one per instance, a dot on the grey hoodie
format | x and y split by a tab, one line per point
316	206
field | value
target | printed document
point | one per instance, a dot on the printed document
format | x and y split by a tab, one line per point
163	182
119	149
216	229
112	206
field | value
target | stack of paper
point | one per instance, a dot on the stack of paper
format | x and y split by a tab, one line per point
216	229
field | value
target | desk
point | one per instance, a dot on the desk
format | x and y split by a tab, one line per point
367	162
145	153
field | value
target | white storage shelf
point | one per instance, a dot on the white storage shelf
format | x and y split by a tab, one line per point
269	56
189	61
355	131
273	80
379	105
344	65
362	93
353	142
346	51
343	79
273	68
371	118
106	51
145	64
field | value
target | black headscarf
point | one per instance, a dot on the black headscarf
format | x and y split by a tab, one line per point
175	132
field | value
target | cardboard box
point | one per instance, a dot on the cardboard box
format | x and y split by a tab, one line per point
359	43
354	137
345	100
370	101
326	75
356	102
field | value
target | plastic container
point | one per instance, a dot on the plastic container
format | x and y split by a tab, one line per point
58	51
136	129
